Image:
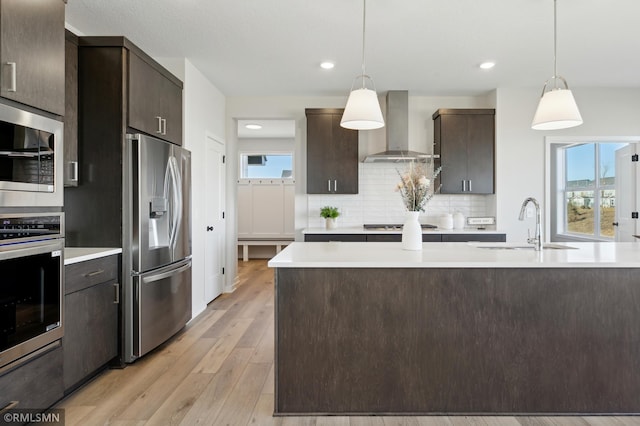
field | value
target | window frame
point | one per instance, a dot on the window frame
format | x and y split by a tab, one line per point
249	153
555	185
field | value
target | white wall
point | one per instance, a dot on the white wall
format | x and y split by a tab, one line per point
203	113
520	151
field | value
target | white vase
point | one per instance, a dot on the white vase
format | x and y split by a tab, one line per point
411	232
331	222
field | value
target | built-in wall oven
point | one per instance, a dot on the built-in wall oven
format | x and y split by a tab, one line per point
31	277
30	159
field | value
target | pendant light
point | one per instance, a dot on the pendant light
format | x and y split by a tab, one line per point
363	109
557	108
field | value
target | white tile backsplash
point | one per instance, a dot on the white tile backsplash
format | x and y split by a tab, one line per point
377	202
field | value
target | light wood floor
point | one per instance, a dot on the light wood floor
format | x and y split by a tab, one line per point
219	371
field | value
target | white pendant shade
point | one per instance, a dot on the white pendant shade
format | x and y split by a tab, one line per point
362	111
557	110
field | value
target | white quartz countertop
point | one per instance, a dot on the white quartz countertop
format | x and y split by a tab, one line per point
81	254
456	255
361	230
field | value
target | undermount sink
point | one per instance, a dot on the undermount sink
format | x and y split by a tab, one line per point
529	247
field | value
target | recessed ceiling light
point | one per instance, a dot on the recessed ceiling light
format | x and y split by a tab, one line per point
487	65
253	126
327	65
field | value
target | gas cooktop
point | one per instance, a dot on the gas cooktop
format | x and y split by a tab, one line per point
392	227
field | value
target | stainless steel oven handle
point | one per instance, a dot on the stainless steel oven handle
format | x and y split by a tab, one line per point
9	406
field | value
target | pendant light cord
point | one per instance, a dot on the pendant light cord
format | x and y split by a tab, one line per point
555	44
364	23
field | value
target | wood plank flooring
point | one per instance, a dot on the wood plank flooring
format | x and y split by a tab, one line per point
219	371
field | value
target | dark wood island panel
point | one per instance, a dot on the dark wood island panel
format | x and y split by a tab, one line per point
439	340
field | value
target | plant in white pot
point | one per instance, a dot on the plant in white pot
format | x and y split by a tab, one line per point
330	214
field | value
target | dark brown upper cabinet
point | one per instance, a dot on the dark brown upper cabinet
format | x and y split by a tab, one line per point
32	51
332	153
152	98
71	110
464	139
155	101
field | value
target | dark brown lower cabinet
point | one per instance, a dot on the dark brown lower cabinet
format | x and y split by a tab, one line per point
413	341
426	237
35	383
325	238
484	238
91	319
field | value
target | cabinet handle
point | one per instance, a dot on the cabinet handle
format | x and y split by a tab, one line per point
13	85
116	286
464	185
335	185
329	185
164	126
73	171
469	185
159	124
9	406
94	273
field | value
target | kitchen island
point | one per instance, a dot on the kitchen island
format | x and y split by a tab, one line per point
367	328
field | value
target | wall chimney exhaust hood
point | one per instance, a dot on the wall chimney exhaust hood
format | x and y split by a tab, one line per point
397	125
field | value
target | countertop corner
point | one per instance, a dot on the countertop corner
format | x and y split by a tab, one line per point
81	254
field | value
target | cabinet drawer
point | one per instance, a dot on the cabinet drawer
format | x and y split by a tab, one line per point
81	275
377	238
335	237
484	238
36	384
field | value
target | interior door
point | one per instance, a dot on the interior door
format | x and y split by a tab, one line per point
626	194
215	231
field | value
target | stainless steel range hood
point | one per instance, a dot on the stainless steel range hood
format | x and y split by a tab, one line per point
397	125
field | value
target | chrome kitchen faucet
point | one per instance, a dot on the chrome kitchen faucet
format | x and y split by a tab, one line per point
537	239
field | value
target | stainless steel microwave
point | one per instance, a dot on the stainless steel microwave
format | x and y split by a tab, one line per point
30	159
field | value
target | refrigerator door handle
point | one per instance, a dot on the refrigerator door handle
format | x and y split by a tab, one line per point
167	274
177	200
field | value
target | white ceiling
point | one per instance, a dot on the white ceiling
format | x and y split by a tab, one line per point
429	47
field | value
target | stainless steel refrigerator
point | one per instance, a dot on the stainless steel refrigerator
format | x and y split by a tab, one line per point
157	243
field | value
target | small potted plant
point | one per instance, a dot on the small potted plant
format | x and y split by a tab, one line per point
330	214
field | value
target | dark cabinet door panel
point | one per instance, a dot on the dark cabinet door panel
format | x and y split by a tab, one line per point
32	51
464	140
319	153
91	331
453	155
480	154
71	111
332	154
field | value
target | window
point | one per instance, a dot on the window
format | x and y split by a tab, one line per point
266	165
586	190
